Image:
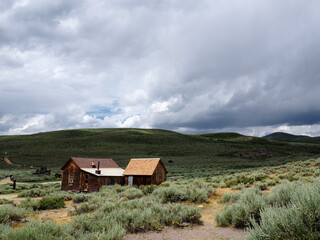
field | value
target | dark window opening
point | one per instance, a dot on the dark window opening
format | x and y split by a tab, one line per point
70	179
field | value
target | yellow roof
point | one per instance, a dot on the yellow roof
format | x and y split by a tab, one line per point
142	166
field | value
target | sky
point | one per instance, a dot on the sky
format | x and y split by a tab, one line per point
248	66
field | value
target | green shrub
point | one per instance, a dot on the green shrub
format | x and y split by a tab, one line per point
165	184
281	195
246	206
261	185
9	213
66	196
299	219
35	230
286	202
5	201
229	198
181	194
132	193
132	216
84	207
28	203
148	189
79	198
6	189
32	193
51	203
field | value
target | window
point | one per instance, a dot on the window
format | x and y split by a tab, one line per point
70	179
86	179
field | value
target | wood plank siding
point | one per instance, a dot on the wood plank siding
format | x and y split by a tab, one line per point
76	179
145	172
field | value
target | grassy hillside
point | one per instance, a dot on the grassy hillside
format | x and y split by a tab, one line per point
286	137
202	153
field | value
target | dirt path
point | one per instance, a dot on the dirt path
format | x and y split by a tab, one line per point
15	198
7	160
5	181
205	232
208	230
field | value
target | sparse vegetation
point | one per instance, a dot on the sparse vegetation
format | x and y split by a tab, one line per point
290	211
191	156
115	210
9	213
197	165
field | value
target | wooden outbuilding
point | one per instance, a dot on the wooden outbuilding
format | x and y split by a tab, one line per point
145	171
89	174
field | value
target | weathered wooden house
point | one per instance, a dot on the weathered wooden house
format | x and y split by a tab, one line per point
89	174
145	172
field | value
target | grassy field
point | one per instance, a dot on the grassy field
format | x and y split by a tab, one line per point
279	202
267	182
201	155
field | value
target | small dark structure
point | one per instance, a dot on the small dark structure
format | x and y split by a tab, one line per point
14	181
42	170
89	174
145	171
58	175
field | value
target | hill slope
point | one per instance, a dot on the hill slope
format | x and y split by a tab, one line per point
286	137
205	152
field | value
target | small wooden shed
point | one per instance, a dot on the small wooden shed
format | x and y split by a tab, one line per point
145	171
89	174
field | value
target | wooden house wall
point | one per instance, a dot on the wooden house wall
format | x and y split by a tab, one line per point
71	168
92	185
139	180
108	180
159	175
79	176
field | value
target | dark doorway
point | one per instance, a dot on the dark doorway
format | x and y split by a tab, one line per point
112	181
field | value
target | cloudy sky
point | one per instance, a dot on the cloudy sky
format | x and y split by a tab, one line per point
189	66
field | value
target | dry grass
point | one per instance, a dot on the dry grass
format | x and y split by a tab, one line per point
57	215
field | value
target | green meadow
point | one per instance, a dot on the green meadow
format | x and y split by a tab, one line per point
184	155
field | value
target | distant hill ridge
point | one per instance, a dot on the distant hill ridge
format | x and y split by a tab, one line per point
213	151
287	137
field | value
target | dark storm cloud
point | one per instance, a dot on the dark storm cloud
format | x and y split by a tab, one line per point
184	65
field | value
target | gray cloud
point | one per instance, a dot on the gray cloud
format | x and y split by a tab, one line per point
190	66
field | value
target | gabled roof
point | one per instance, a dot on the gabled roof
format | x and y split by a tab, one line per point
142	166
86	162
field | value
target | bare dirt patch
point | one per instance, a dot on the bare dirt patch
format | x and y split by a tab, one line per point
5	181
204	232
7	161
272	175
57	215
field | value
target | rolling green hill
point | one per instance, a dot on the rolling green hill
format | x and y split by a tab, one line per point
202	153
286	137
